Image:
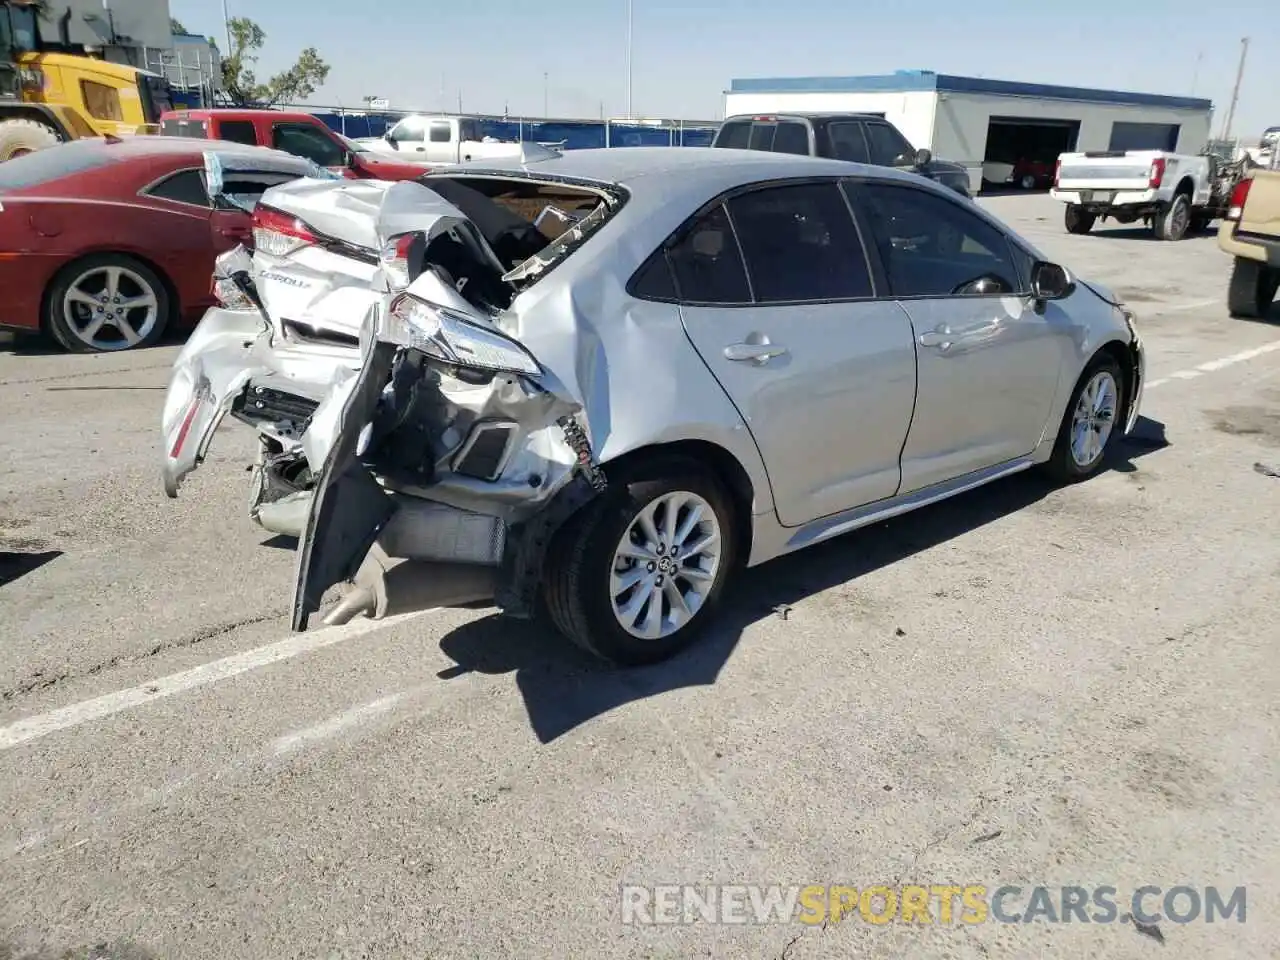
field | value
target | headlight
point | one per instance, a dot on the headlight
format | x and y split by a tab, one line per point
451	337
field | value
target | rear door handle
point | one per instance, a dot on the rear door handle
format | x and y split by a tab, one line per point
757	353
936	338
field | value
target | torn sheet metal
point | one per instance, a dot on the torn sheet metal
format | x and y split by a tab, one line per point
217	165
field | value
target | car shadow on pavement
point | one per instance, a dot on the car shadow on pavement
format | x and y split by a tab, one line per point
563	688
15	565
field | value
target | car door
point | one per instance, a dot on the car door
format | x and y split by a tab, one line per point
442	145
777	297
310	143
989	361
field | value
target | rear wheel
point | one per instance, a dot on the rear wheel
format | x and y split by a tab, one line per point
1089	423
106	303
1252	289
1173	220
1028	181
20	136
635	577
1077	219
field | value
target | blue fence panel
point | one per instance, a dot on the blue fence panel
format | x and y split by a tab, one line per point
572	134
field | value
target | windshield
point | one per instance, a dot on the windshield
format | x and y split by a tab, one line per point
17	31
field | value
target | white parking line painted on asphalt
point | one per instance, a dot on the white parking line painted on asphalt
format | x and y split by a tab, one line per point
42	725
1213	365
334	725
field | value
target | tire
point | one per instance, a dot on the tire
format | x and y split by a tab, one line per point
1078	220
1028	182
1251	290
70	318
1173	220
1063	464
25	136
578	584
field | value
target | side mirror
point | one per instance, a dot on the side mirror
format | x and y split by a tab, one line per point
1049	281
387	137
923	157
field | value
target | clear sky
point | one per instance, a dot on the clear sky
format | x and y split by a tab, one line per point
495	53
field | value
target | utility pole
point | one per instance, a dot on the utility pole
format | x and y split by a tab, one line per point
629	114
1195	77
459	102
545	98
226	22
1235	93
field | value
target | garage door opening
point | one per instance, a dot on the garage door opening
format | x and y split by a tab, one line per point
1021	152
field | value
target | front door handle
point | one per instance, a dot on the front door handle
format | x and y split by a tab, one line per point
757	353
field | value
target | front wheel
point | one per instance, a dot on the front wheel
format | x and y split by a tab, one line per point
635	577
1028	181
1078	220
1089	423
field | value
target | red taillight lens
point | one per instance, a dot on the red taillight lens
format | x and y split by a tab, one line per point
1057	172
279	234
1157	173
1235	207
401	258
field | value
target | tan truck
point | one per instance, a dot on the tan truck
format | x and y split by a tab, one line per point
1250	232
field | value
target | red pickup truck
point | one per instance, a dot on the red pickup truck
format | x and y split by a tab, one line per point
298	133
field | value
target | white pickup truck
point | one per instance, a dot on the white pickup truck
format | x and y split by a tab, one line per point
441	140
1171	192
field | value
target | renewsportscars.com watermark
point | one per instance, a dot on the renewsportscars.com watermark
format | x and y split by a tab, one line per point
936	903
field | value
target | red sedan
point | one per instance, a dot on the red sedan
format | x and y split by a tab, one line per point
104	244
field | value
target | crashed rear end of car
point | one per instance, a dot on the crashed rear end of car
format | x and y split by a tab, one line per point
410	441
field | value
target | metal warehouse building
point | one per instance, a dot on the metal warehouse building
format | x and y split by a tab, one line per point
990	125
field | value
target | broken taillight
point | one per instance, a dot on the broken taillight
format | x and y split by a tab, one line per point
401	259
1157	173
1239	194
228	294
279	234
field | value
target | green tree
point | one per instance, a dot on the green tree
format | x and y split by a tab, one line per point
289	86
175	26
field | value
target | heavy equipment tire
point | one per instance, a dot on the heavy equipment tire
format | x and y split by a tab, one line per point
1096	408
1173	220
602	566
19	136
1252	289
1077	219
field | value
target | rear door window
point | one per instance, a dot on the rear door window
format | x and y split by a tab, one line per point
303	140
887	145
800	243
791	137
238	131
706	263
847	141
735	135
441	131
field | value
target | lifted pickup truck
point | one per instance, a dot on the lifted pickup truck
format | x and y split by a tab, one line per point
859	137
1250	232
1170	192
301	134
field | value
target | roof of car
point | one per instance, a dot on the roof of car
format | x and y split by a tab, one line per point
804	115
146	145
668	168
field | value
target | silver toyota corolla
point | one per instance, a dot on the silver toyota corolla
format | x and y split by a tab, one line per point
599	383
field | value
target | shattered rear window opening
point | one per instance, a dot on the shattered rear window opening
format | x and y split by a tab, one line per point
558	215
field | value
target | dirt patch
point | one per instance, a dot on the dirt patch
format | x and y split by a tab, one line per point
1260	422
1169	776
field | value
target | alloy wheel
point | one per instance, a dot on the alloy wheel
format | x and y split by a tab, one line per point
110	308
1093	419
665	565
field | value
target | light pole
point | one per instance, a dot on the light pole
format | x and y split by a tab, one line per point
545	98
226	23
628	59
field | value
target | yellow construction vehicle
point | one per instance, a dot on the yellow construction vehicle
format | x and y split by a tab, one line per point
50	94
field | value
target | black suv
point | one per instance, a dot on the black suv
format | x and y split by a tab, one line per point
860	137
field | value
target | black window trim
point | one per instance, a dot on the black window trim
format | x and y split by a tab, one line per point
858	198
723	198
148	191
